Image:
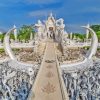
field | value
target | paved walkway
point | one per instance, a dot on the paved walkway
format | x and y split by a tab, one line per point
47	85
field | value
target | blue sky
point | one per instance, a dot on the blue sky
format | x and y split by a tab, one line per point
74	12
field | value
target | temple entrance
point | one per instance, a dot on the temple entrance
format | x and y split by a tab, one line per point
50	33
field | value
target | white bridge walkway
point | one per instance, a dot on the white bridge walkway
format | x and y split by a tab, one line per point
49	84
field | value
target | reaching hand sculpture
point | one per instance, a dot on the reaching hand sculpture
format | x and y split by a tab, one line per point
87	62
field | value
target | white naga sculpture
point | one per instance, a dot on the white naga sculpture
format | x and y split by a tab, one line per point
17	65
87	62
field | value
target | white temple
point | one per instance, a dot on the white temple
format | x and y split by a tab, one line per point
49	77
52	28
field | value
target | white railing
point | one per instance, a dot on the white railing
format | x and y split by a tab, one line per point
81	45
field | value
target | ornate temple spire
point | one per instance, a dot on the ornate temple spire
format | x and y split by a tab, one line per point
51	15
39	22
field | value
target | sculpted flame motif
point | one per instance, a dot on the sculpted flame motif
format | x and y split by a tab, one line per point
49	88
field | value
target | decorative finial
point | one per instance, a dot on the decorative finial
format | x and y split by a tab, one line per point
39	22
14	26
51	14
88	25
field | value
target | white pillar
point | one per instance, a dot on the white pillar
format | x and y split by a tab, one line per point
87	32
31	36
71	34
15	32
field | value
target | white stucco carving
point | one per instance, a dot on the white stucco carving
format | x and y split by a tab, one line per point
94	44
51	28
7	45
18	65
87	62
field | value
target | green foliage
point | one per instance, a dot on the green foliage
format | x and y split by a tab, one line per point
98	35
2	50
96	28
12	36
80	36
86	47
2	37
25	31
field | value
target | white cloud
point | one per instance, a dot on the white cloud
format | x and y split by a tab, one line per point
43	1
39	13
8	3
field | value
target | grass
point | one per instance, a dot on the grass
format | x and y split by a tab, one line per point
2	50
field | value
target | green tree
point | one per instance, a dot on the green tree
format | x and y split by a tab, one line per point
12	36
25	31
80	36
96	28
2	37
